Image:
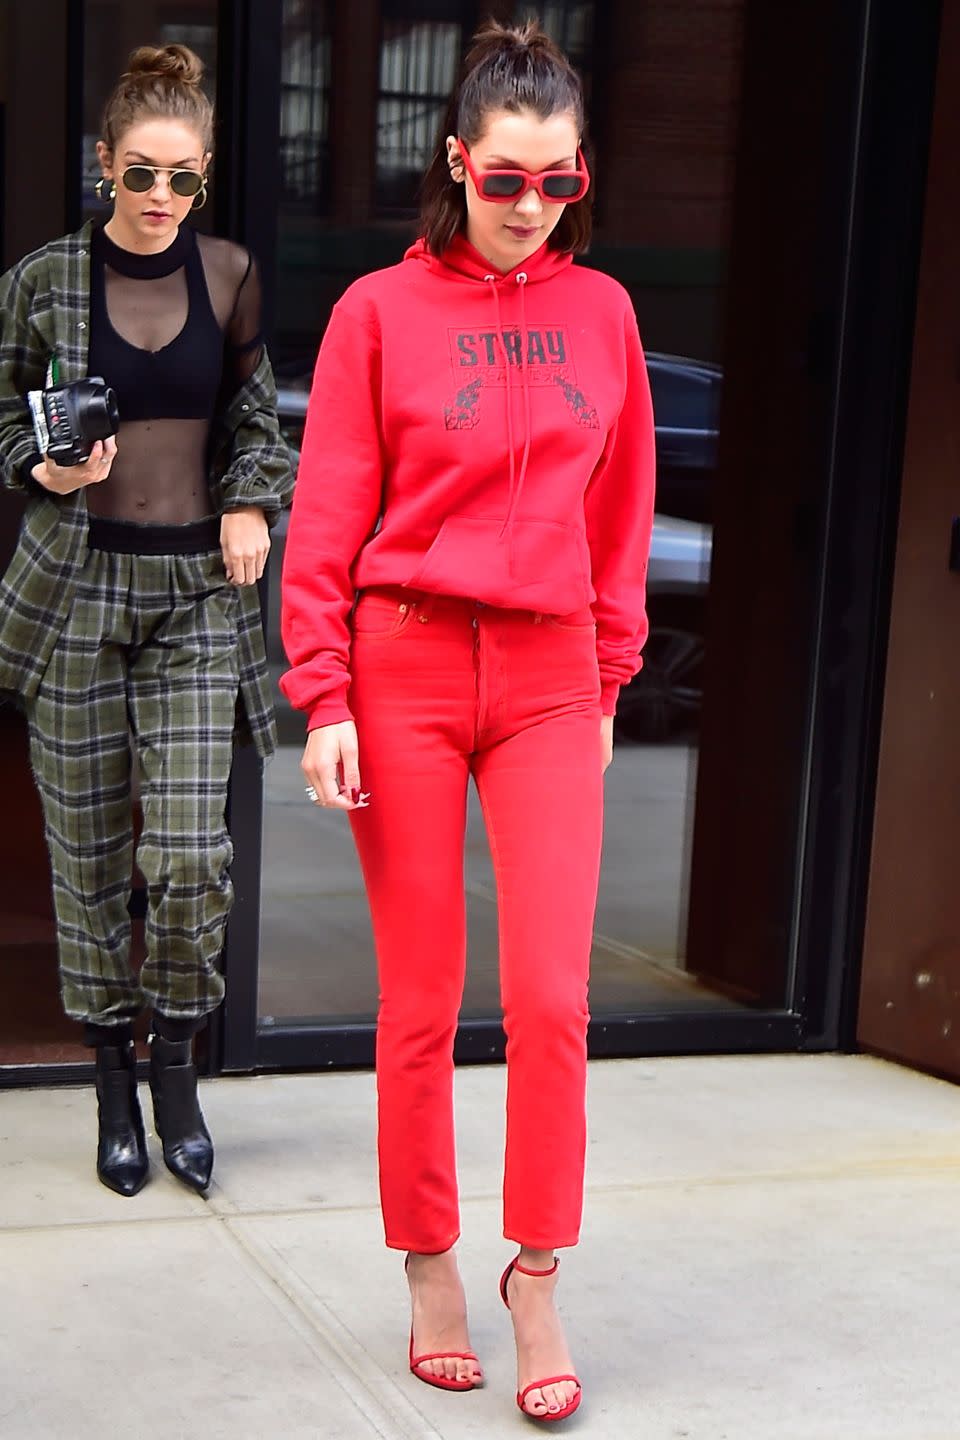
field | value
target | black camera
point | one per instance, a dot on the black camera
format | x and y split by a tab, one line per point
69	419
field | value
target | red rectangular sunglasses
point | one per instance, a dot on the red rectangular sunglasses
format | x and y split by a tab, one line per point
555	186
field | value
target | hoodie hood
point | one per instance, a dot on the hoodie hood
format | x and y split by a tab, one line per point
461	261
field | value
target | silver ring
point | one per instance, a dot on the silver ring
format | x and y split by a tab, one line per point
311	793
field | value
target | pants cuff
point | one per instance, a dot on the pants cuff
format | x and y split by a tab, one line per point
566	1244
118	1034
421	1246
178	1027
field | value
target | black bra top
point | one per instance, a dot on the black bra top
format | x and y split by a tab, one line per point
180	379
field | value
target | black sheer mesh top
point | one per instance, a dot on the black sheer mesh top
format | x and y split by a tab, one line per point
168	332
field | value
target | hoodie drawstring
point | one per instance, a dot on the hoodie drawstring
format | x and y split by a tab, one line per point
516	481
491	280
524	354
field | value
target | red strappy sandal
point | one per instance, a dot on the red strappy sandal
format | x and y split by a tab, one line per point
571	1405
441	1381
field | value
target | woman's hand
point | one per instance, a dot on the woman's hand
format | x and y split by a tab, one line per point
245	544
331	765
65	479
606	739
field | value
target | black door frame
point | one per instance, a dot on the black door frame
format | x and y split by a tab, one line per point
248	196
877	318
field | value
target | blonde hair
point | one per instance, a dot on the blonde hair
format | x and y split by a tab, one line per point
159	82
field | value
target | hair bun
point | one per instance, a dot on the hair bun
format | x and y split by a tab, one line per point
526	44
176	63
529	35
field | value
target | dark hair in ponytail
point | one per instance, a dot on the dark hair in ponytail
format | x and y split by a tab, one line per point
510	67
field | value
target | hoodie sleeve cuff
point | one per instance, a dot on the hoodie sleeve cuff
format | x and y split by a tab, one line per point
331	709
609	694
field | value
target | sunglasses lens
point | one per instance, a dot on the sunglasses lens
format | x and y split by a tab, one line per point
561	187
186	182
138	178
502	187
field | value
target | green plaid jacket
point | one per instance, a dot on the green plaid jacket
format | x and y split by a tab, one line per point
45	312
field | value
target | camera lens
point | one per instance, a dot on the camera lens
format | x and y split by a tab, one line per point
97	415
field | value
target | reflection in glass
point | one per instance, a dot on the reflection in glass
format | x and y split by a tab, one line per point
418	69
305	108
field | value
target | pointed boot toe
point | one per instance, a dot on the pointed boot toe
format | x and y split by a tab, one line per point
191	1160
123	1179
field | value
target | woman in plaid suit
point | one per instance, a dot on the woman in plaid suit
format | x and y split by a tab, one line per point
129	616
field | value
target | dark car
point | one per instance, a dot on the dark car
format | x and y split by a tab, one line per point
686	406
663	702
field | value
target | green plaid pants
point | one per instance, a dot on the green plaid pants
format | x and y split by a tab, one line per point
148	654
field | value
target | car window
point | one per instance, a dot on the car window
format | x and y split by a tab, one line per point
685	397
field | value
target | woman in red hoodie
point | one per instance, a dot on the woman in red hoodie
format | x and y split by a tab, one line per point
463	595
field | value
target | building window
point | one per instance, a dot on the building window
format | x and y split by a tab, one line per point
418	69
305	106
570	24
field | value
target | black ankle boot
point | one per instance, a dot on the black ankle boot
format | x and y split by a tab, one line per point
187	1147
122	1163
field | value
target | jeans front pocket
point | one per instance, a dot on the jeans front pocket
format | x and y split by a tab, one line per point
378	617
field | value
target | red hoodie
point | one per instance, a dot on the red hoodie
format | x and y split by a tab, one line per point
499	428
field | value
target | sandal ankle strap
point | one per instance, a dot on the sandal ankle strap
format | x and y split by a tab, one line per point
537	1274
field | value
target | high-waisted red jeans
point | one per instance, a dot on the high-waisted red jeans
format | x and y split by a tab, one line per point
443	689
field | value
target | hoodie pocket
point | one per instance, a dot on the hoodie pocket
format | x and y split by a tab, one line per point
532	565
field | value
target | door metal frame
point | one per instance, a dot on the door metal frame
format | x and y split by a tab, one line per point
881	272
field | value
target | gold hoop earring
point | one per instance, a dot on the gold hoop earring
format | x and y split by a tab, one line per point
98	190
201	195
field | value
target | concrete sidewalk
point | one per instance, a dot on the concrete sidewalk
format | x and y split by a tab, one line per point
770	1250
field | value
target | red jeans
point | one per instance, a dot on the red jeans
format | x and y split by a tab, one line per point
443	689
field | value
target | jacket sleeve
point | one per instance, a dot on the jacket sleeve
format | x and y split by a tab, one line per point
23	362
335	510
619	515
258	469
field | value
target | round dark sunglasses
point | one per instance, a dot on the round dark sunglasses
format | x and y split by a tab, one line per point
141	178
557	186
